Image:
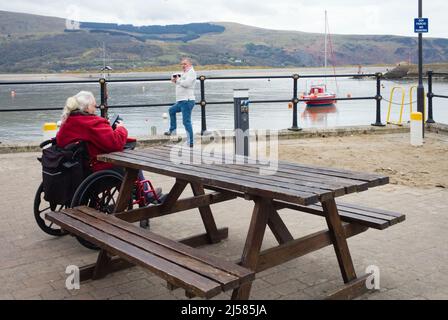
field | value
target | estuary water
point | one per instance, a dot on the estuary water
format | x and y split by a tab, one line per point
27	126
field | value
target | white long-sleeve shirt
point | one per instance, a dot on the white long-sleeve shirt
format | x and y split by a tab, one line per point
185	86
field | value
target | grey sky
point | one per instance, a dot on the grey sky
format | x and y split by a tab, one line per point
345	16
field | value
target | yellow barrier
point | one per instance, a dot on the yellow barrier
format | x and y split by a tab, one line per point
403	94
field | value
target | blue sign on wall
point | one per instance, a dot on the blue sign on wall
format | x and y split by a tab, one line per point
420	25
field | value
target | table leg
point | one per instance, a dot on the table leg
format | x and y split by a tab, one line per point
207	216
125	194
257	228
173	195
339	240
278	227
102	265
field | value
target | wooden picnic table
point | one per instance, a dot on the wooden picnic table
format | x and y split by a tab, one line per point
294	186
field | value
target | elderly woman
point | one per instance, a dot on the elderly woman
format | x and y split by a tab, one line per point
79	122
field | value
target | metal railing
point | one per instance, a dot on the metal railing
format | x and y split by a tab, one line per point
203	102
431	94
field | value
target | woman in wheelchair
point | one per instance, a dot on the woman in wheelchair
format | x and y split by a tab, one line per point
102	181
79	123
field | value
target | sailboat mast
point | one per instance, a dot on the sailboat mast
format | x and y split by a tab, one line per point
325	39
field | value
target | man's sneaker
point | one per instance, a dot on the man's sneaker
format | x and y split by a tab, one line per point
169	133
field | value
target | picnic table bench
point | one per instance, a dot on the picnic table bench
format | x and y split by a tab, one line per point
180	265
299	187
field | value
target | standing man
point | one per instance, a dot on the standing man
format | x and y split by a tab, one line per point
185	99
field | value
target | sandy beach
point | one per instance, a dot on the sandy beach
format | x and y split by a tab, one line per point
389	154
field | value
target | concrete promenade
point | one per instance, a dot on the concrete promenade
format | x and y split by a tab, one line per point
412	256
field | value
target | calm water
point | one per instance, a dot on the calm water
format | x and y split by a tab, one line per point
27	126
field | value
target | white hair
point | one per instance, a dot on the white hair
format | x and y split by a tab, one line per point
187	59
81	101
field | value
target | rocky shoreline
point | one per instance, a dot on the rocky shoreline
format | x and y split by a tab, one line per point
406	71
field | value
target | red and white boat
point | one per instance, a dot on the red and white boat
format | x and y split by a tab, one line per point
319	96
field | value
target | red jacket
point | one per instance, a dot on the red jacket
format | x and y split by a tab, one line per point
98	134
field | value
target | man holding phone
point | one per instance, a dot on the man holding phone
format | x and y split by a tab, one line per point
185	99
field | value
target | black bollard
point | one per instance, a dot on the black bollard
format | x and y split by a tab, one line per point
241	115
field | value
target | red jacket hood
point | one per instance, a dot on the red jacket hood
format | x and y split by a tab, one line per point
98	134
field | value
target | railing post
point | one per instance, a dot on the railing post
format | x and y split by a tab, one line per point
430	96
378	99
203	105
295	101
103	91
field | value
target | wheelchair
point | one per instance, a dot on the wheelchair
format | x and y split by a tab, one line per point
99	190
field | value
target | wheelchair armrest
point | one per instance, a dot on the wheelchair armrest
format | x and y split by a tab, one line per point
52	141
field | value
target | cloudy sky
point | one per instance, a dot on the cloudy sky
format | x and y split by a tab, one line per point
345	16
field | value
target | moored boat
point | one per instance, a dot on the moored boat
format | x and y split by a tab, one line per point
319	96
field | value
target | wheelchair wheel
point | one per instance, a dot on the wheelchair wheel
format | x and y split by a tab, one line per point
99	191
41	207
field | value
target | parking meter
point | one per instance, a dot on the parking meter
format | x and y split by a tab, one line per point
241	115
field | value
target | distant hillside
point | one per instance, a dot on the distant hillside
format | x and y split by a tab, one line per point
30	43
183	32
12	23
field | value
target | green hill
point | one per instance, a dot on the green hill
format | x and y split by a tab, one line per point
13	23
30	43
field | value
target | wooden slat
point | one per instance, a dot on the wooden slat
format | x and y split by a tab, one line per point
400	217
350	185
228	281
230	267
364	220
171	272
215	173
371	178
226	183
391	220
316	184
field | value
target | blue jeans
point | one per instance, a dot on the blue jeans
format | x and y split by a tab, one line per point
184	106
